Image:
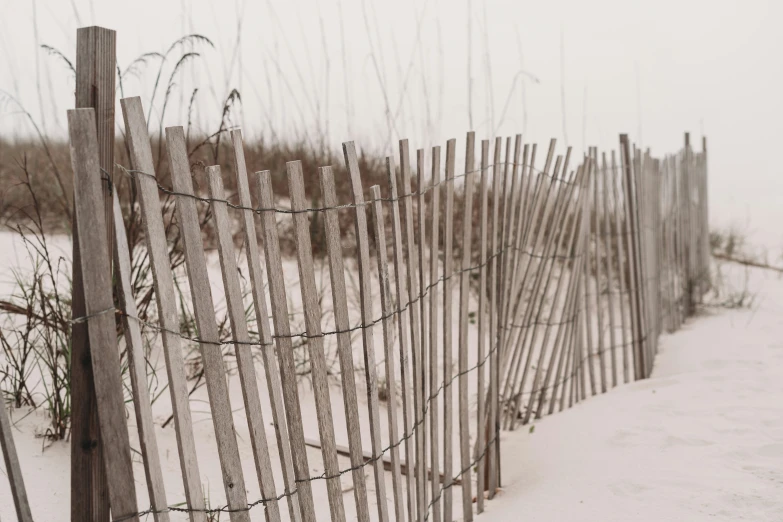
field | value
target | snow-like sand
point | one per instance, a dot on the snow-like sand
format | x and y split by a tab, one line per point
701	440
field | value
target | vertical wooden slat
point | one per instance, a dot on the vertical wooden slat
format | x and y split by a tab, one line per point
543	206
279	303
206	322
623	291
498	200
597	267
634	255
631	265
99	311
519	279
387	310
421	376
516	245
573	296
585	291
570	374
334	251
543	243
138	142
675	240
510	232
362	240
682	244
641	237
532	318
271	368
464	301
95	87
563	351
448	370
403	331
245	365
13	469
415	328
571	240
315	341
688	226
668	243
482	323
137	370
543	186
507	234
607	237
705	224
433	331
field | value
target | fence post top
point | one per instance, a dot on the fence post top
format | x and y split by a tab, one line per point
98	27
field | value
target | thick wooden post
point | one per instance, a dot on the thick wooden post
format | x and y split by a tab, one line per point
95	70
99	315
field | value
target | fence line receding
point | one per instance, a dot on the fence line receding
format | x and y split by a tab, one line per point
487	298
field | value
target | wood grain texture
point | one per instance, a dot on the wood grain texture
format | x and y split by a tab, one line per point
387	311
244	356
531	205
572	300
515	240
365	282
206	322
95	87
598	268
403	332
464	303
502	246
606	237
543	200
334	252
279	302
12	468
542	276
433	383
138	142
643	279
409	241
421	302
540	242
315	341
99	307
483	323
585	294
448	367
528	196
572	242
137	369
271	369
496	245
632	247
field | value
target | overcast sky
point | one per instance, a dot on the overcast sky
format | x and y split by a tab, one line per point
651	69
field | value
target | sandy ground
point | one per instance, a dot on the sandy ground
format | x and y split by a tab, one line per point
701	440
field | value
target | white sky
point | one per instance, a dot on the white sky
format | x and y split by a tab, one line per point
652	69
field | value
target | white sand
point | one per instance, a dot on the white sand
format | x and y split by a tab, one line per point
701	440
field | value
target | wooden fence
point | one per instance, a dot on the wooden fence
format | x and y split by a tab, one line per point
555	286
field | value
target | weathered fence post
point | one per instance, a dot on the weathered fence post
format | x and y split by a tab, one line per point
95	69
99	315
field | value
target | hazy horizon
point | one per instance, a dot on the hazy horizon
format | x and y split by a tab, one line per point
653	71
